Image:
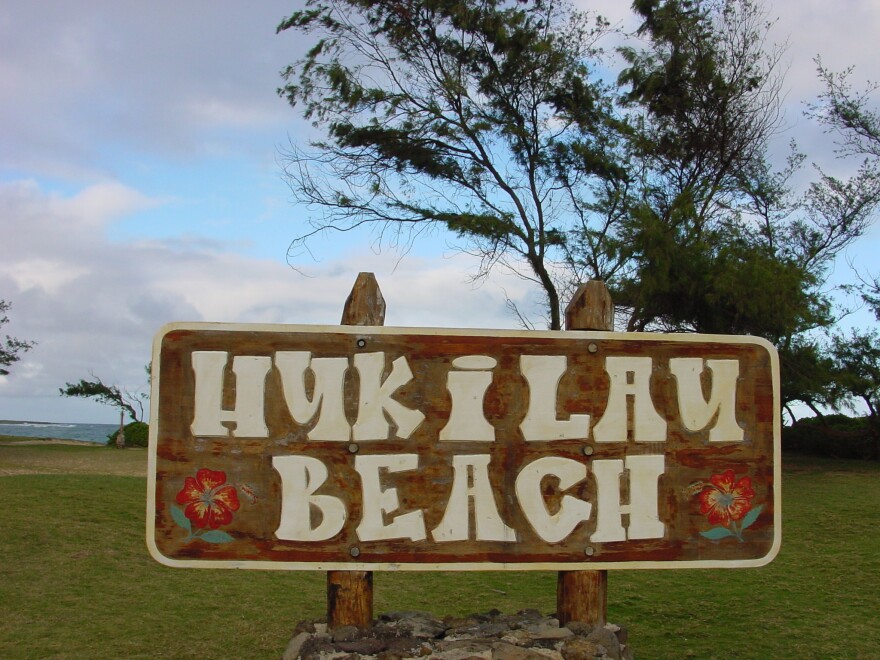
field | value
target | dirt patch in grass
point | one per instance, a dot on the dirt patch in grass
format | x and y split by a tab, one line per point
48	441
19	457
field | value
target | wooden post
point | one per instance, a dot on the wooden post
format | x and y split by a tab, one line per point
583	595
349	599
365	304
350	593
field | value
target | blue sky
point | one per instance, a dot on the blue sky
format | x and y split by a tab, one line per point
140	184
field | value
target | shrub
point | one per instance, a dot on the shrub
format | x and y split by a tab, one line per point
136	435
835	436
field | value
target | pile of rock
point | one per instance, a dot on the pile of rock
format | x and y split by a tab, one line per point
526	635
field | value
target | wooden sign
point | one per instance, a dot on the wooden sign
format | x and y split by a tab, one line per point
374	448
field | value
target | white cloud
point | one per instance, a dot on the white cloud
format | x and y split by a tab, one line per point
106	201
44	274
171	108
228	112
94	305
92	78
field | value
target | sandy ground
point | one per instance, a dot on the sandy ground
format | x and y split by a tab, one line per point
50	441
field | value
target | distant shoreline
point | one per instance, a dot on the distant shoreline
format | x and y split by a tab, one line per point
20	440
94	433
24	422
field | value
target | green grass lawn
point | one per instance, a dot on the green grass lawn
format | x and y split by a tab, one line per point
76	580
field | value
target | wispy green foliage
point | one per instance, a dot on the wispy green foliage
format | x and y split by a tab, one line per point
848	114
451	114
857	377
496	120
11	348
808	375
713	240
131	403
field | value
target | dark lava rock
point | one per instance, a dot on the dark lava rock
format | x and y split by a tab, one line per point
526	635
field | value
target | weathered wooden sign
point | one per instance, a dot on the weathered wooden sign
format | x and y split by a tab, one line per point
374	448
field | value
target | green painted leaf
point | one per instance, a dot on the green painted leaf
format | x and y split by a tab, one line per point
717	533
180	518
751	516
216	536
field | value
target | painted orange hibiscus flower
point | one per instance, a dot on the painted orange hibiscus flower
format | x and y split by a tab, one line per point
209	500
724	499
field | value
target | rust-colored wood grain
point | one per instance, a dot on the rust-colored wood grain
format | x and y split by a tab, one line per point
247	462
583	389
583	595
350	593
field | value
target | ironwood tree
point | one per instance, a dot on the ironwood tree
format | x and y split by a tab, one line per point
128	402
496	120
715	240
857	377
459	115
844	371
848	114
11	348
807	376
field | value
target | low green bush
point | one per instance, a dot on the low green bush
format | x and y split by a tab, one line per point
136	435
834	436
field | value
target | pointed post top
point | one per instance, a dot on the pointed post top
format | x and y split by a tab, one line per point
350	593
590	308
365	304
583	595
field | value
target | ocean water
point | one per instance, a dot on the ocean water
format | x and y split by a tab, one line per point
89	432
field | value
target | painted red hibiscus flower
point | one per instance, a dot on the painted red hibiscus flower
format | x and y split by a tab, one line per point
209	500
724	499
